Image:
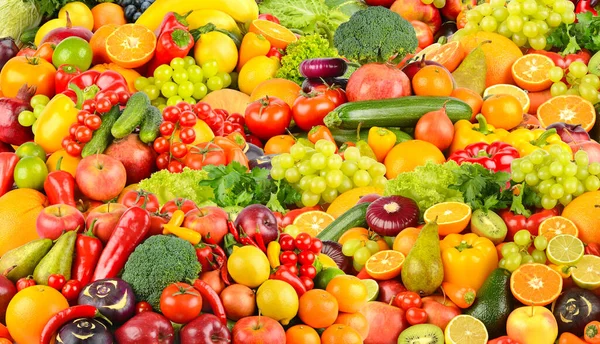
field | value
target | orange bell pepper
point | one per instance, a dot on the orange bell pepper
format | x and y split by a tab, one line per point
381	141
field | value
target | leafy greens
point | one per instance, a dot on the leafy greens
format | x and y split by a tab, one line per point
571	38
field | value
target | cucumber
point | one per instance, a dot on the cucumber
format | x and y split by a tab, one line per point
354	217
149	128
342	135
102	137
397	112
132	116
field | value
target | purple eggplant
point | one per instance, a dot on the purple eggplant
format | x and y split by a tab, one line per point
113	297
8	50
309	84
329	67
84	331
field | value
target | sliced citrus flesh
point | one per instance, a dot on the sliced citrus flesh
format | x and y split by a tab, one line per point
451	217
465	329
131	45
510	90
372	289
535	284
570	109
565	249
557	225
313	222
385	265
530	72
348	199
278	35
586	273
449	55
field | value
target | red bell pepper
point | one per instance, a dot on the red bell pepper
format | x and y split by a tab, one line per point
173	21
564	61
8	162
60	187
516	222
94	83
87	252
592	248
63	76
170	44
585	6
496	156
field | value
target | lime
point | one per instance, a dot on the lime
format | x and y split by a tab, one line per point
31	172
564	249
327	274
31	149
586	273
73	51
372	289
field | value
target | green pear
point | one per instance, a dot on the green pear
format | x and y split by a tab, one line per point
472	71
58	260
423	271
24	258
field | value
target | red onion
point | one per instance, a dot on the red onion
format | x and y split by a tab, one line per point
569	132
11	131
334	251
591	147
388	216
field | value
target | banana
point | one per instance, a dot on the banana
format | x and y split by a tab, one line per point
240	10
221	20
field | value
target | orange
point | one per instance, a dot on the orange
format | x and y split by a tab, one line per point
406	239
131	45
363	235
5	341
313	222
536	99
557	225
530	72
279	144
449	55
584	211
502	111
512	90
279	36
470	97
535	284
349	199
349	291
452	217
405	156
318	308
108	13
283	89
500	54
341	334
385	265
433	81
355	320
302	334
569	109
19	210
29	311
98	43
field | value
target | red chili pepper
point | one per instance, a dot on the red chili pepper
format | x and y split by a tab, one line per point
60	187
64	316
564	61
275	52
87	252
63	76
584	6
260	241
8	162
171	21
233	231
213	298
320	132
516	222
94	84
222	266
131	229
205	257
170	44
496	156
285	275
593	248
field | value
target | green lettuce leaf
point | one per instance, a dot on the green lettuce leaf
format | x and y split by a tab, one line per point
167	186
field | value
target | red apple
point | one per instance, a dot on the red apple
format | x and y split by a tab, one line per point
146	327
138	158
7	292
258	330
208	221
100	177
205	329
385	322
388	289
417	10
439	310
454	7
531	325
384	3
424	34
377	81
107	216
55	219
257	217
57	35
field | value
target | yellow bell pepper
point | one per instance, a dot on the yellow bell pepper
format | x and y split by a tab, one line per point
53	124
468	259
526	141
466	133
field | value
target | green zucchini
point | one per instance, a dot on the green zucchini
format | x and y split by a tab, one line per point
132	115
397	112
149	128
341	135
102	137
354	217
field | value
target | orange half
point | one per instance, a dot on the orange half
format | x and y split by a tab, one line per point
570	109
449	55
530	72
131	45
278	35
313	222
535	284
557	225
452	217
385	265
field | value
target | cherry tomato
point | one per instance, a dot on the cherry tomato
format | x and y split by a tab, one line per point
83	134
308	282
303	241
143	306
291	268
306	258
82	115
334	93
123	98
184	106
268	117
166	128
205	153
175	166
308	271
25	282
236	118
187	135
179	149
182	204
254	140
141	198
202	108
93	122
74	149
71	290
73	129
89	105
56	281
416	316
407	299
316	245
66	141
227	127
112	96
309	110
287	242
161	145
288	258
180	303
103	105
222	112
171	113
188	119
162	161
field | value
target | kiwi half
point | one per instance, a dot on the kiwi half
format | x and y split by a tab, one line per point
422	334
489	225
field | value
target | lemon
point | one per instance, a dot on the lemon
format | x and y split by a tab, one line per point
255	71
79	14
249	266
466	329
277	300
586	273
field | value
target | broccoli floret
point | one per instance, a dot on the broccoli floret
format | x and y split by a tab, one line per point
375	35
158	262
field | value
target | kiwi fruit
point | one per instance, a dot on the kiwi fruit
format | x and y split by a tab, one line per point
489	225
422	334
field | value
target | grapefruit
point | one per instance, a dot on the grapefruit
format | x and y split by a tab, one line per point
19	210
584	211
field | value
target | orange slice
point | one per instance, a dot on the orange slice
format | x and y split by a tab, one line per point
131	45
510	90
385	265
313	222
570	109
279	36
557	225
530	72
452	217
535	284
449	55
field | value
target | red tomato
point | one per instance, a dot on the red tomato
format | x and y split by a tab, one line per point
416	316
316	245
21	70
25	282
306	258
178	203
205	153
157	220
303	241
308	271
309	110
141	198
335	93
308	282
45	51
180	303
268	117
424	33
71	290
205	257
407	299
288	258
286	242
56	281
143	306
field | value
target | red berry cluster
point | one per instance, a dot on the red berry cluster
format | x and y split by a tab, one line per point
302	251
411	303
88	120
220	121
177	132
